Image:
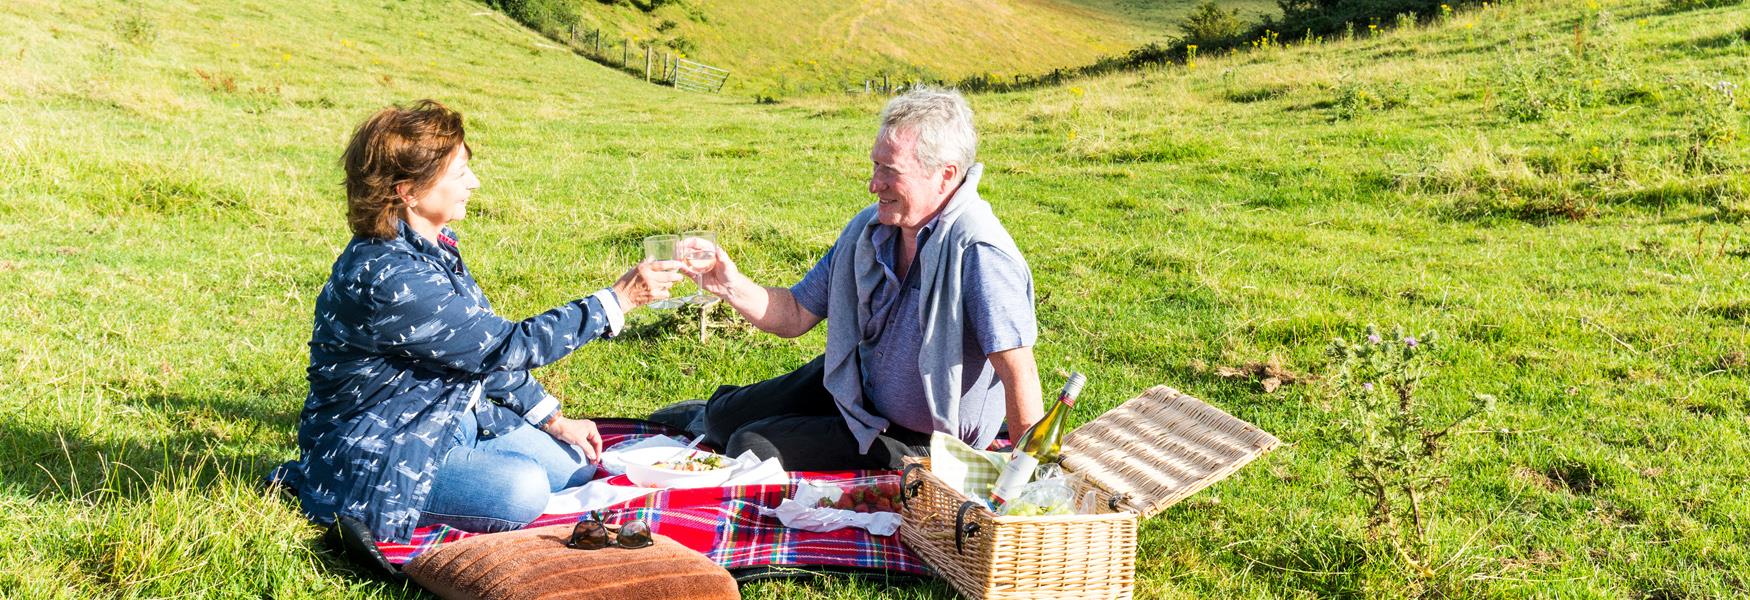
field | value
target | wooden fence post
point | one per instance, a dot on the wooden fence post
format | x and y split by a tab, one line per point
625	52
647	64
598	42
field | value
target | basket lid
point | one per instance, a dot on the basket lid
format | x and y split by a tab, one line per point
1161	447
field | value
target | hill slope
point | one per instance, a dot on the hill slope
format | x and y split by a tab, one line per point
782	48
1565	208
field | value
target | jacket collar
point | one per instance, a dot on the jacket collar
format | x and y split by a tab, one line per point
445	251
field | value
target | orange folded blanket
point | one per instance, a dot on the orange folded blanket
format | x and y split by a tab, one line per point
534	564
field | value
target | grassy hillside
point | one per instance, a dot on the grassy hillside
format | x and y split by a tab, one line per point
784	48
1557	188
1163	18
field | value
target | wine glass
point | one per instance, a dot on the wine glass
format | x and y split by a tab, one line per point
662	247
698	249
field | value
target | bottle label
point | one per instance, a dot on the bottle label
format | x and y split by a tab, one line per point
1015	475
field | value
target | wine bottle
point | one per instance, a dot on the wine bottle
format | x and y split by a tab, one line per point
1039	445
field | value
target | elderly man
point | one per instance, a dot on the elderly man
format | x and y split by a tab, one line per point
929	310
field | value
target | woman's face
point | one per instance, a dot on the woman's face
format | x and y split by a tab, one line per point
447	198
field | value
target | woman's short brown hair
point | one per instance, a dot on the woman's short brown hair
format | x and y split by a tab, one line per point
396	146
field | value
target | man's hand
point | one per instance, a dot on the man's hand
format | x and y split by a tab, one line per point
721	277
647	282
577	432
773	310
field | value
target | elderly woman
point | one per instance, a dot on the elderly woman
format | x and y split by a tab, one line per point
421	408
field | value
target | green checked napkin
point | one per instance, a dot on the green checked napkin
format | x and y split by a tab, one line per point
969	470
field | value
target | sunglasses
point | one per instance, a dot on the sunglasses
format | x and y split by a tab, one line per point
591	534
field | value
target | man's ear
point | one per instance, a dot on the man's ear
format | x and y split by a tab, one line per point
950	174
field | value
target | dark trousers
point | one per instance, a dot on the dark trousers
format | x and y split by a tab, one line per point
792	417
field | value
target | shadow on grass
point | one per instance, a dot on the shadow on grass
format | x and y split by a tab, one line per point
200	445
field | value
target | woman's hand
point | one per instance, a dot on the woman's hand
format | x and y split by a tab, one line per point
577	432
647	282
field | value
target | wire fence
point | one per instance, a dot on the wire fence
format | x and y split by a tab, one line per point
660	66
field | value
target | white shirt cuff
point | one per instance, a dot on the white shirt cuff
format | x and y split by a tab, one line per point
611	308
542	410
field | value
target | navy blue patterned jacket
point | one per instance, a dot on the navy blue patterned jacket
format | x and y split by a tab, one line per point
404	341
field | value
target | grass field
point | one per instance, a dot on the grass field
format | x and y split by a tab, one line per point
1163	18
1558	188
778	49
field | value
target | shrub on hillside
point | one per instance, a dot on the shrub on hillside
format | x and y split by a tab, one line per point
1210	26
546	16
643	5
1681	5
1326	17
136	29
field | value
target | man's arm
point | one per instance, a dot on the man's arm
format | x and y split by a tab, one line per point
1020	377
774	310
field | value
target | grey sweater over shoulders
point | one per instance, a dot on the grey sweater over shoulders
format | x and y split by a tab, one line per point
967	220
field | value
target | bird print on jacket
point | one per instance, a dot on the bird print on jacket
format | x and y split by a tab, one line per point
404	341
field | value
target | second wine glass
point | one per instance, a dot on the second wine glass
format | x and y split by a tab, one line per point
698	249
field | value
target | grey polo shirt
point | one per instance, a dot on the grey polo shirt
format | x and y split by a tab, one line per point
996	309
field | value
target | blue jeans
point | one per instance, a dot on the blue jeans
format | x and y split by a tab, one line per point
502	483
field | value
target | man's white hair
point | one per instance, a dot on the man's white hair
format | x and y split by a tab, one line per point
943	123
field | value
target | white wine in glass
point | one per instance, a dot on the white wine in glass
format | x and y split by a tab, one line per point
663	247
699	250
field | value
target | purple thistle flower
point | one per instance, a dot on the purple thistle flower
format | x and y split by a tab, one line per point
1410	341
1373	339
1367	386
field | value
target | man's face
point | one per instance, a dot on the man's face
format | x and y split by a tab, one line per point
908	195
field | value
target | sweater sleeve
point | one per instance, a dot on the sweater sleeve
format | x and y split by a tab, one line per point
418	314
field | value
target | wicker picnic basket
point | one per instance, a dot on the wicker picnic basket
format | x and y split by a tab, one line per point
1137	460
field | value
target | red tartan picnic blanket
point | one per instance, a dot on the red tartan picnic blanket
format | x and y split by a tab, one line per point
723	523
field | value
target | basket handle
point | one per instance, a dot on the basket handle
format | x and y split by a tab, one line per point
962	529
910	488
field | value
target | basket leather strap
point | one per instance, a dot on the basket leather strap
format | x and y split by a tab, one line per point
908	487
962	529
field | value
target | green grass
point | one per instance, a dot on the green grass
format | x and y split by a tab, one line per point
778	48
172	203
1162	19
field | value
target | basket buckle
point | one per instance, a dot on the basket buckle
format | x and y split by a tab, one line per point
962	529
910	488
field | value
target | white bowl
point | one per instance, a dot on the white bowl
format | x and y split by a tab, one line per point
640	468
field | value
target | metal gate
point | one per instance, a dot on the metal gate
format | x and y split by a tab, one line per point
698	77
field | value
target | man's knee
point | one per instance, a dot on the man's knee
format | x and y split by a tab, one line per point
720	421
751	439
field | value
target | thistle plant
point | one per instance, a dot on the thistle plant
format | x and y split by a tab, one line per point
1396	446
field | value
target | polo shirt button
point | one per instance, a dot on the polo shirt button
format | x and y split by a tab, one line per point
484	432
